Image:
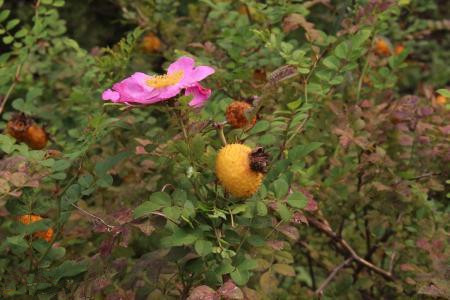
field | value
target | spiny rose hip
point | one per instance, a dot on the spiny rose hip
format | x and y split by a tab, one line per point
240	169
28	219
151	43
236	114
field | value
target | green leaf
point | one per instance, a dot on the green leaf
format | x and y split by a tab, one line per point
303	150
284	212
284	269
188	209
248	264
8	39
203	247
7	143
12	23
18	242
261	208
256	240
281	187
4	14
260	127
240	277
331	62
297	200
149	206
103	166
59	3
341	50
444	92
61	165
68	268
267	139
360	37
1	3
179	238
86	180
156	202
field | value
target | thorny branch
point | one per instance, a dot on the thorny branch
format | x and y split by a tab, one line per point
325	228
330	277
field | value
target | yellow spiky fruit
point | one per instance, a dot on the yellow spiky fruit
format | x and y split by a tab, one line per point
234	171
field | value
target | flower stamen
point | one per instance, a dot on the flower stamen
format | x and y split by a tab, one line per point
161	81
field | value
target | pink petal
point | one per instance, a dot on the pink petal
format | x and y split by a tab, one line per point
201	72
200	94
184	63
169	92
110	95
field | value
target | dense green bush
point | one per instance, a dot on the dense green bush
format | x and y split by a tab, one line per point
351	105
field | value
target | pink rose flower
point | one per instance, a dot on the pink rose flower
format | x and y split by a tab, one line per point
145	89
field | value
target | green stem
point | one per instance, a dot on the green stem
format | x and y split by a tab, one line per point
363	73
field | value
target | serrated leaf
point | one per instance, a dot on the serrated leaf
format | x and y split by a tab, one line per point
67	269
4	14
341	50
8	39
284	269
248	264
281	187
444	92
203	247
103	166
260	127
240	277
21	33
12	23
331	62
297	200
303	150
268	282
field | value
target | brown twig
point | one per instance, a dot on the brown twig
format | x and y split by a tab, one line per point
109	227
325	228
330	277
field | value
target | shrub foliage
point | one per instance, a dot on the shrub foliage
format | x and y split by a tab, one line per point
350	99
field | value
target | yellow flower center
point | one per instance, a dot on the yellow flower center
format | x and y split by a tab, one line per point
161	81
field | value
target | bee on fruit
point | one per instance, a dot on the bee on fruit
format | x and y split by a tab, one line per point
240	169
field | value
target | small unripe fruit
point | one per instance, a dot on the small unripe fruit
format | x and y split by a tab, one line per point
441	100
236	114
399	49
28	219
151	43
240	169
382	47
35	137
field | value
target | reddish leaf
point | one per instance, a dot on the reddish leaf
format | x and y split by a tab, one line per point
298	218
123	216
276	245
230	291
203	292
289	231
294	21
